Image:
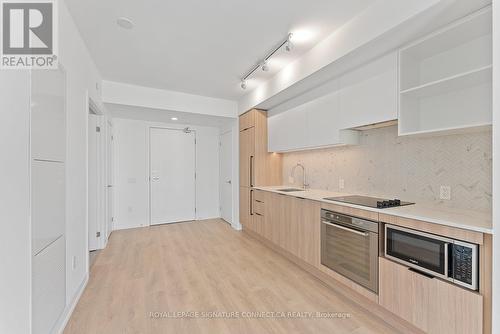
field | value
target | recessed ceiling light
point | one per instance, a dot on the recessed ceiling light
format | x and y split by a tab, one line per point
125	22
174	119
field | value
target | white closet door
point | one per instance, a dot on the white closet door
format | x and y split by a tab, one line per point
49	286
48	203
48	115
172	176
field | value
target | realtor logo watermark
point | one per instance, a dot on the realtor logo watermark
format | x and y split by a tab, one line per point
29	34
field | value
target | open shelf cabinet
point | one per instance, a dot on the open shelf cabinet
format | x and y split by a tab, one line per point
445	79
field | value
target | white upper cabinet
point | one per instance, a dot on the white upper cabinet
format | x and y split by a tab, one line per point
287	131
361	97
446	78
48	115
323	119
368	94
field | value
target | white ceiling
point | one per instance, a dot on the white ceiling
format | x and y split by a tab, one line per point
198	46
164	116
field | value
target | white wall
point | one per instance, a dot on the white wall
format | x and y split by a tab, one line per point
15	239
15	232
131	161
496	166
82	77
139	96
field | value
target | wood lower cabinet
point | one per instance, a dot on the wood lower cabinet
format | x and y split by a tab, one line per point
302	229
308	229
432	305
274	212
405	293
258	210
293	224
246	216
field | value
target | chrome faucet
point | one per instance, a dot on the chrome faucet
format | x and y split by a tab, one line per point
304	184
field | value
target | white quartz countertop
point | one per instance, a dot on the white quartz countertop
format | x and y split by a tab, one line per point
478	221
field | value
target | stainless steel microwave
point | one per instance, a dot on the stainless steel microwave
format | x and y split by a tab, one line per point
452	260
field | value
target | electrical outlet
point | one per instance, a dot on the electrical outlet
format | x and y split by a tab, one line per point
341	183
73	262
445	192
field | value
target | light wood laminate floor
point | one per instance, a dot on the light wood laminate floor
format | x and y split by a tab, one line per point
206	266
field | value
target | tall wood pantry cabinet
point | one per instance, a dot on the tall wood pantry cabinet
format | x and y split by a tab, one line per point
258	167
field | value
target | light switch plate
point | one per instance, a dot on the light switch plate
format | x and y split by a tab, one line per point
341	183
445	192
291	180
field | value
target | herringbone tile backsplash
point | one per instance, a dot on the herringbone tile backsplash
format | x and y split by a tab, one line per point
409	168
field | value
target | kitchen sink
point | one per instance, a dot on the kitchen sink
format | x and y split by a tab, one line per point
289	190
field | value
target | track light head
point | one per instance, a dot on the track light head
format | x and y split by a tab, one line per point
265	66
289	44
243	84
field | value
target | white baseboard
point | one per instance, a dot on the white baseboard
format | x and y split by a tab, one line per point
68	311
207	217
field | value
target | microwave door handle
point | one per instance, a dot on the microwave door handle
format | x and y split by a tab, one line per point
364	234
446	246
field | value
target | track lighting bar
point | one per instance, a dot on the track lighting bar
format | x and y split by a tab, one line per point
263	65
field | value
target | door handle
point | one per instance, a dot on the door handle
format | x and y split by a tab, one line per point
251	170
251	202
228	181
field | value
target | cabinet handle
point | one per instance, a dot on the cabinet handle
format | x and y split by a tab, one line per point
421	273
251	170
251	202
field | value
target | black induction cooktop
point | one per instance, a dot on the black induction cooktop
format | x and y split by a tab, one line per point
372	202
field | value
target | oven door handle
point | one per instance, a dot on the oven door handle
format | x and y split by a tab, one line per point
364	234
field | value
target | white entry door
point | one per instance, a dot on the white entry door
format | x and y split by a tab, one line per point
172	176
226	190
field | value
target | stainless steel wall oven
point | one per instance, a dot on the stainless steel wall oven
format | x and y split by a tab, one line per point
349	246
